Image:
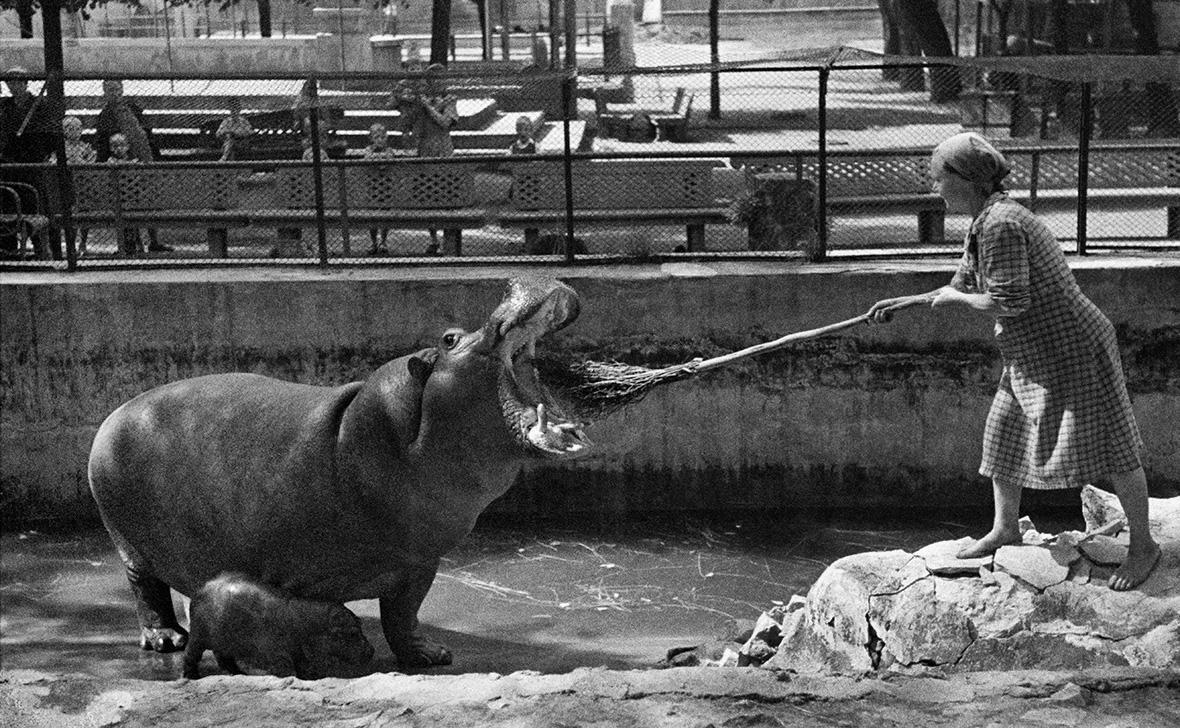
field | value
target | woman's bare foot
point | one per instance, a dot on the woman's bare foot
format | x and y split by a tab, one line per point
990	543
1135	569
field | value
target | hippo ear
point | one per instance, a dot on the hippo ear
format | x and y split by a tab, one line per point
422	364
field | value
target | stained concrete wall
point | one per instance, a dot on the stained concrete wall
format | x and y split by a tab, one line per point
887	415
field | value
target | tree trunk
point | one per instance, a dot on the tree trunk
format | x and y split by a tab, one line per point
440	32
923	22
1163	115
25	12
264	18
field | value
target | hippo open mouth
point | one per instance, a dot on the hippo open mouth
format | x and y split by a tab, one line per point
531	309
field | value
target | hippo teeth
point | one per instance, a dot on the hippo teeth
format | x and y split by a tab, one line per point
556	437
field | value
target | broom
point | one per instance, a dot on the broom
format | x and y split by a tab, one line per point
594	389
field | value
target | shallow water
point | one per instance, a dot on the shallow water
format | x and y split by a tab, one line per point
546	599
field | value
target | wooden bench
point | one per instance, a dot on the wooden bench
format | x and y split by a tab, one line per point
616	192
614	120
882	182
218	196
1046	180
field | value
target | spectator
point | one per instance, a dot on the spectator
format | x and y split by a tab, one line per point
524	142
77	152
379	149
431	121
27	136
436	115
120	115
234	132
119	152
26	130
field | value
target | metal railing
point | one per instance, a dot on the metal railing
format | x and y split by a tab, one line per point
630	164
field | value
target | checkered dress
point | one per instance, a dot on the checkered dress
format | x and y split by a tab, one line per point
1061	417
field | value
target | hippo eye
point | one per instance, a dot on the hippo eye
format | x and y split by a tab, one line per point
451	339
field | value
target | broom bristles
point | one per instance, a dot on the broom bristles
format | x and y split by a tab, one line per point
595	389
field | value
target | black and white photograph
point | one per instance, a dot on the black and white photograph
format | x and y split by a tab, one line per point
590	363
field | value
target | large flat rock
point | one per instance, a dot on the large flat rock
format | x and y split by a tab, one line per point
1044	604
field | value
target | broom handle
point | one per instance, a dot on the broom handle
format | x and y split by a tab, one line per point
778	343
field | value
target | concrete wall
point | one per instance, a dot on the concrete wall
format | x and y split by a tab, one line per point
188	55
880	415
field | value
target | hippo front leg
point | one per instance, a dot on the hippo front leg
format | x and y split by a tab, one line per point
399	622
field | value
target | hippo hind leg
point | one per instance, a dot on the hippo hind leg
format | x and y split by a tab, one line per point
158	628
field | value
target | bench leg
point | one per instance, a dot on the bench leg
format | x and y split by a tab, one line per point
532	238
453	241
932	227
696	237
1174	223
218	241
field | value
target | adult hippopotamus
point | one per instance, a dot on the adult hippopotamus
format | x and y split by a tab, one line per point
335	493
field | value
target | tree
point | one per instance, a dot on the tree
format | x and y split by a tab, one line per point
1162	102
916	26
26	9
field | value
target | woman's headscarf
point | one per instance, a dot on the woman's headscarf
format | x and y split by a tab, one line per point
973	158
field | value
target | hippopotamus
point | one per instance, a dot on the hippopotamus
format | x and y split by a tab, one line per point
241	619
331	493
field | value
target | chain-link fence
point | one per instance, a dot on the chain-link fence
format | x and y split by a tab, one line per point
820	154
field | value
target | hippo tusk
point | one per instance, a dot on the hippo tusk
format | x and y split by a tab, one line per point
563	438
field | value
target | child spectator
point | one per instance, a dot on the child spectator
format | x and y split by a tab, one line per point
524	142
120	153
77	152
234	132
379	149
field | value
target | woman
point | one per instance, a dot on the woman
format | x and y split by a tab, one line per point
1061	417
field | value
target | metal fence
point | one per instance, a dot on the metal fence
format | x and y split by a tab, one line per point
814	157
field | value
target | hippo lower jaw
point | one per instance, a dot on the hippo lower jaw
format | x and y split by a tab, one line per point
537	423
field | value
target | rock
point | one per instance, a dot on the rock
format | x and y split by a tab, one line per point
1100	508
1104	551
941	560
833	631
1042	607
729	658
737	630
1034	565
755	652
1071	696
1079	573
767	629
1055	716
709	653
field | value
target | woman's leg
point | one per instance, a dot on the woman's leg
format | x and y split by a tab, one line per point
1005	524
1143	553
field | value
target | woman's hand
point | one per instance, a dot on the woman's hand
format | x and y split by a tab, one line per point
882	311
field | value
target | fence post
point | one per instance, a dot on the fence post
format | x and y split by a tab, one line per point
55	90
317	169
1084	125
714	60
567	97
821	250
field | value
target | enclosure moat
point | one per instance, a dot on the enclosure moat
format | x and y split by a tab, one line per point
549	599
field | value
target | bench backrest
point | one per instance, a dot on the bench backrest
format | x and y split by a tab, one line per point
148	188
1109	169
393	186
871	175
614	184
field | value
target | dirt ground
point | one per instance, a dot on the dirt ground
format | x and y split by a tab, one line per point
694	697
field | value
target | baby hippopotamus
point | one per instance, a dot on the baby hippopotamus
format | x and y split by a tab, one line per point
239	618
